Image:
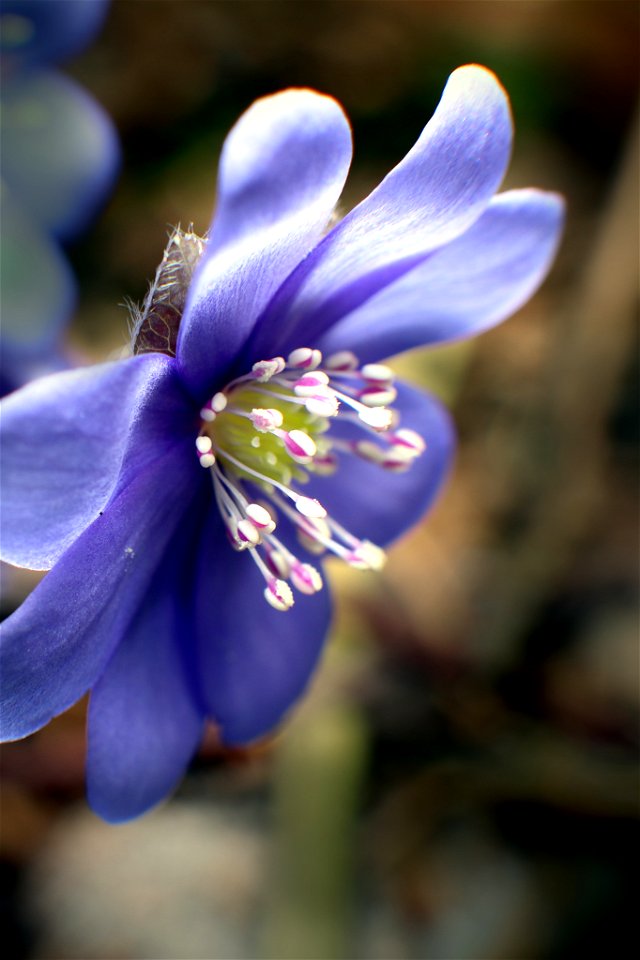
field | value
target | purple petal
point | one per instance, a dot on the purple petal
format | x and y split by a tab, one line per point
144	724
63	439
36	32
255	662
435	194
377	505
56	644
465	287
60	152
281	172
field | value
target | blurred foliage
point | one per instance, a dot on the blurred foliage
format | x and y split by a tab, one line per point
486	683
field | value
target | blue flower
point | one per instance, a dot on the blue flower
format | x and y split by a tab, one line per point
181	497
59	156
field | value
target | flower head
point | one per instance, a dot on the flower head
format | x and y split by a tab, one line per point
59	157
183	497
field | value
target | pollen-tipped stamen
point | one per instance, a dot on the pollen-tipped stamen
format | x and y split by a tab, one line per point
273	443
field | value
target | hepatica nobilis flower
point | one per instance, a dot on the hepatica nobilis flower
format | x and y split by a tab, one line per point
183	497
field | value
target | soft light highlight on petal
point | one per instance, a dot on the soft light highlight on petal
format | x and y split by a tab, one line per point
282	170
54	647
62	440
144	724
433	195
465	287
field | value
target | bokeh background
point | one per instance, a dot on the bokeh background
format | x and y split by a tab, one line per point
462	780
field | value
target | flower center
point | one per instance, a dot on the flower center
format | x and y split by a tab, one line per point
268	432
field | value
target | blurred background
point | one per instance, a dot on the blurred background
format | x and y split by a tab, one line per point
462	780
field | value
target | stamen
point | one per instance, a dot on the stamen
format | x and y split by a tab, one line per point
279	445
203	445
265	369
277	562
377	373
307	386
398	455
260	517
213	407
266	420
304	358
323	404
325	465
369	451
367	556
247	532
399	459
305	578
278	594
377	395
314	535
299	446
310	508
410	439
344	360
378	418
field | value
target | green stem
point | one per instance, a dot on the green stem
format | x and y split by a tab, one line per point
318	776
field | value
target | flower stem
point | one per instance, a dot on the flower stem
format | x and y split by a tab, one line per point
318	777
